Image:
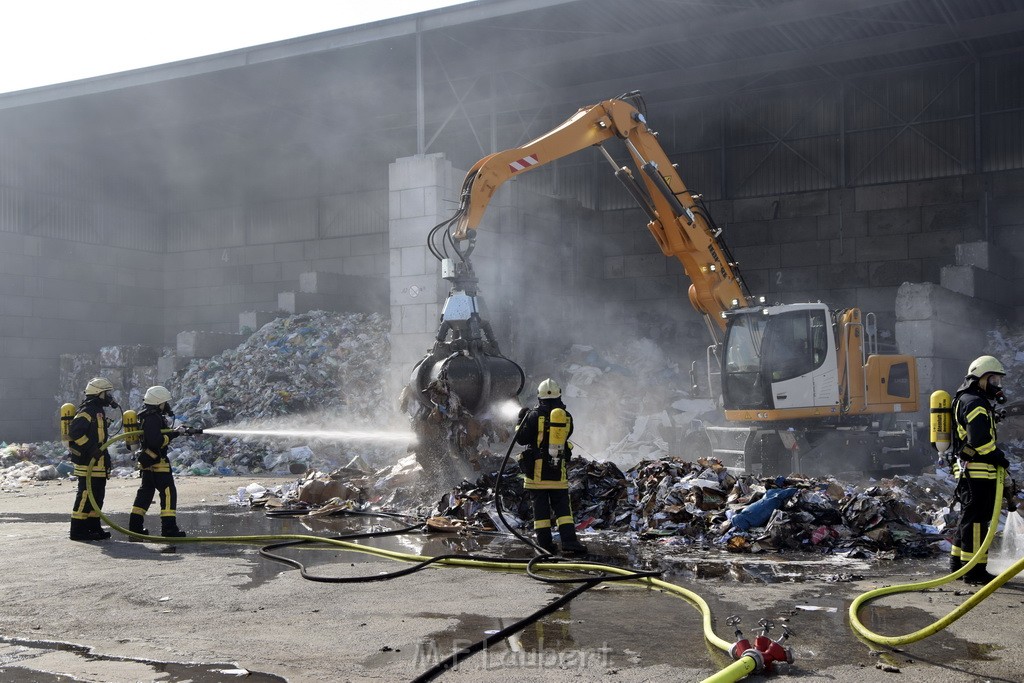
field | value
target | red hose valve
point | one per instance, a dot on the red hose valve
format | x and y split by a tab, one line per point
763	642
777	652
742	645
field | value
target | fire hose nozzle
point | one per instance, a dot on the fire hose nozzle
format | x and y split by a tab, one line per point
192	431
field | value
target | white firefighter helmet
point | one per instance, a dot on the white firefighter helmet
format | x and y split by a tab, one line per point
984	365
549	389
156	396
97	385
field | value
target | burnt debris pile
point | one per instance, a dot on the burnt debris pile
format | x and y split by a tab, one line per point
673	504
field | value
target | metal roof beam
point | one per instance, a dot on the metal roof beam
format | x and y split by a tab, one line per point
904	41
668	33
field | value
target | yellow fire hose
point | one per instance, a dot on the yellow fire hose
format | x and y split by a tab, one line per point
945	621
739	669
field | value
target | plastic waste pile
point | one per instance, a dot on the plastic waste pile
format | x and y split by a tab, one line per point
330	368
23	463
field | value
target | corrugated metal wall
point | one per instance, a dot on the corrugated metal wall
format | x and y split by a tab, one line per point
897	126
354	213
51	196
1002	114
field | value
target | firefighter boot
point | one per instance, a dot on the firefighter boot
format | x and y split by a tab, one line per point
95	531
137	523
570	544
978	575
955	563
545	542
79	530
169	528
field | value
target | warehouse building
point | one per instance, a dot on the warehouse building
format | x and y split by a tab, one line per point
864	153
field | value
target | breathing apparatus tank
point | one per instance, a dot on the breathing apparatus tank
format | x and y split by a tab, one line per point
558	432
130	423
941	420
67	414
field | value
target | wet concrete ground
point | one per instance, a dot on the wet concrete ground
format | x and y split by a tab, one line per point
615	632
616	626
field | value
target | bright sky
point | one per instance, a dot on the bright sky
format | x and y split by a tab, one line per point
54	41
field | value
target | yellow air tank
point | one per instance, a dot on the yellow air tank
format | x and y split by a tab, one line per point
130	423
941	420
558	431
67	414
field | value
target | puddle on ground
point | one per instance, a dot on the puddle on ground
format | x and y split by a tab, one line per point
652	628
24	651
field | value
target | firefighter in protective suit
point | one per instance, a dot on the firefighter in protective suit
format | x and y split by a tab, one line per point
87	432
545	431
155	466
977	462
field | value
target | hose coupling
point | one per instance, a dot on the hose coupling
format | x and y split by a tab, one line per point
759	663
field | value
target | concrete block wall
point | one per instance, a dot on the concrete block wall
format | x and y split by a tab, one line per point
1002	202
208	288
852	247
337	292
848	247
422	192
645	292
65	297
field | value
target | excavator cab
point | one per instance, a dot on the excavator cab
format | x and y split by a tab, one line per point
783	362
778	358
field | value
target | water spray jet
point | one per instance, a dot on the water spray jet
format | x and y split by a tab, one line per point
326	435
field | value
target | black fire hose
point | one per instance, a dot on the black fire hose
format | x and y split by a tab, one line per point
497	495
450	662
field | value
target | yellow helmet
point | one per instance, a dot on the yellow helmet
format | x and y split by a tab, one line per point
549	389
97	385
985	365
156	396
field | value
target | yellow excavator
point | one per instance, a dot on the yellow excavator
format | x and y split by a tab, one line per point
803	388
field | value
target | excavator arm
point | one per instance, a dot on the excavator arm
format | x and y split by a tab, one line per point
680	227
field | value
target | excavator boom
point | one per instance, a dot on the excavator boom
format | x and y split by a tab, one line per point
680	227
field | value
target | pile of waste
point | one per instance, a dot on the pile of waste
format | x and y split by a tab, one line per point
316	371
23	463
302	363
671	503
